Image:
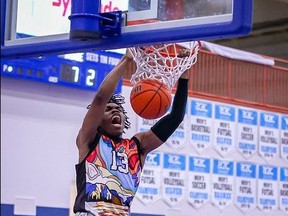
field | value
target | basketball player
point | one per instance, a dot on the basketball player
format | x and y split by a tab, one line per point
109	168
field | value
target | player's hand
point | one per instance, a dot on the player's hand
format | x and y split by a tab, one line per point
128	54
185	75
184	53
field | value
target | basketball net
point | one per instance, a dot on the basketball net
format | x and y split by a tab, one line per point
162	62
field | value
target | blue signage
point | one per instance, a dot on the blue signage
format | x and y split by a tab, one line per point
87	72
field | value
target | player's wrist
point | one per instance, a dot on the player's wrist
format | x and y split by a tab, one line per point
185	75
127	58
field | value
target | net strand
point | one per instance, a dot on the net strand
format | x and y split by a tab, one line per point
162	62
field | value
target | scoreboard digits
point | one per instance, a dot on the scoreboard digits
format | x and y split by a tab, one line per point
85	74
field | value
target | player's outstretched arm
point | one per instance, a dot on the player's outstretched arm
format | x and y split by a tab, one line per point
96	110
166	126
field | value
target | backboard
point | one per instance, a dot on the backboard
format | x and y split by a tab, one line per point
39	27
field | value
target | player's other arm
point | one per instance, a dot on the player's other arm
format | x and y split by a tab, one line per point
94	115
166	126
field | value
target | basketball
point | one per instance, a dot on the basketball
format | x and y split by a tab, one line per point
150	98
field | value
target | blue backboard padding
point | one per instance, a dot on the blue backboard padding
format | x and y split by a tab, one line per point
3	19
241	25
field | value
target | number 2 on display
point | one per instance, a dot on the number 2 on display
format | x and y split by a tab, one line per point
90	78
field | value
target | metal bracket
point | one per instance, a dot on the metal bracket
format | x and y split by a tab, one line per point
111	24
88	24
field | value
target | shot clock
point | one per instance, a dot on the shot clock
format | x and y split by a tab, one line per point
84	70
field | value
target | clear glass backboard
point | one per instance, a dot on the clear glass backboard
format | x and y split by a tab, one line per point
38	27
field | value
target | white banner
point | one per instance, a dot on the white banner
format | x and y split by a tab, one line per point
199	181
149	188
222	181
179	138
200	125
269	136
174	178
247	139
245	186
145	124
224	136
267	188
284	138
283	189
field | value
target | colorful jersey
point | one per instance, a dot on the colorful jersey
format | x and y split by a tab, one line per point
108	178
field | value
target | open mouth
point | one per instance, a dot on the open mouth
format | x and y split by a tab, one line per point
116	119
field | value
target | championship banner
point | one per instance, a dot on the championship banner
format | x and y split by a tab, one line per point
269	136
222	181
283	189
267	188
179	138
247	132
199	181
245	186
284	138
145	124
150	181
174	178
200	125
224	136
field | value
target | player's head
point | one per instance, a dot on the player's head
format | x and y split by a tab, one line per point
115	118
120	100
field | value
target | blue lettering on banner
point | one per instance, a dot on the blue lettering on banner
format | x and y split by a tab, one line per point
241	199
223	167
200	108
247	117
270	202
199	164
284	123
268	149
224	141
174	161
285	201
153	159
268	172
221	195
173	191
246	170
199	137
284	174
143	129
247	146
179	134
225	113
269	120
198	195
152	191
